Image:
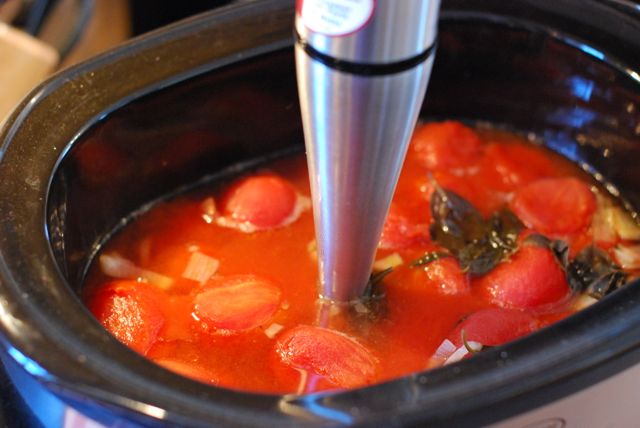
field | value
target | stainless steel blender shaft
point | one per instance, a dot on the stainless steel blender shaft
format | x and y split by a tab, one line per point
363	68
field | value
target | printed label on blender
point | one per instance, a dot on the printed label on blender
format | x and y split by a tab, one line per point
336	17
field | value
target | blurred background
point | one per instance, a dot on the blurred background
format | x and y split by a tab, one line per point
40	37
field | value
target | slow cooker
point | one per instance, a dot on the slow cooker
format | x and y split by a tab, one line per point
218	90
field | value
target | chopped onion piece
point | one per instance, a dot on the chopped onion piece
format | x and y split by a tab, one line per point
626	226
273	330
118	267
231	223
474	346
445	350
303	203
610	221
584	301
312	249
628	256
458	355
200	267
603	222
391	261
360	308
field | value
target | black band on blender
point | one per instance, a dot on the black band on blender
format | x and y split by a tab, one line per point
366	69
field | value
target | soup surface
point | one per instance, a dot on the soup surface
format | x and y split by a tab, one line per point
490	237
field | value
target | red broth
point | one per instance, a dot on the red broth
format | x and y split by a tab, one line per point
220	284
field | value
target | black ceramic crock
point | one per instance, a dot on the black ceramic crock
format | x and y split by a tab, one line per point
196	98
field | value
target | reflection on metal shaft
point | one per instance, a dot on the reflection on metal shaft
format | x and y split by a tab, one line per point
357	126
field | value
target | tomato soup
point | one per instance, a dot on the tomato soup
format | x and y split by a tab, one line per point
489	238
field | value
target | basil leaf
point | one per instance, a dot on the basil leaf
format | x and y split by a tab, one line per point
505	228
374	287
593	272
373	304
456	221
538	240
478	244
479	257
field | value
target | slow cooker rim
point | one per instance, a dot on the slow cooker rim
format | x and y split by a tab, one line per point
630	294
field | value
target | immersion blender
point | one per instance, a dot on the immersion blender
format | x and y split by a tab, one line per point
363	68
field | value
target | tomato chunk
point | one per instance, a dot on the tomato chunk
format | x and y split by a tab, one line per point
447	277
446	145
494	326
263	201
505	167
555	205
532	277
328	353
399	232
184	262
236	303
131	311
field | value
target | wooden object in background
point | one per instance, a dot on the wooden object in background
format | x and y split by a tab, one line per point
24	62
